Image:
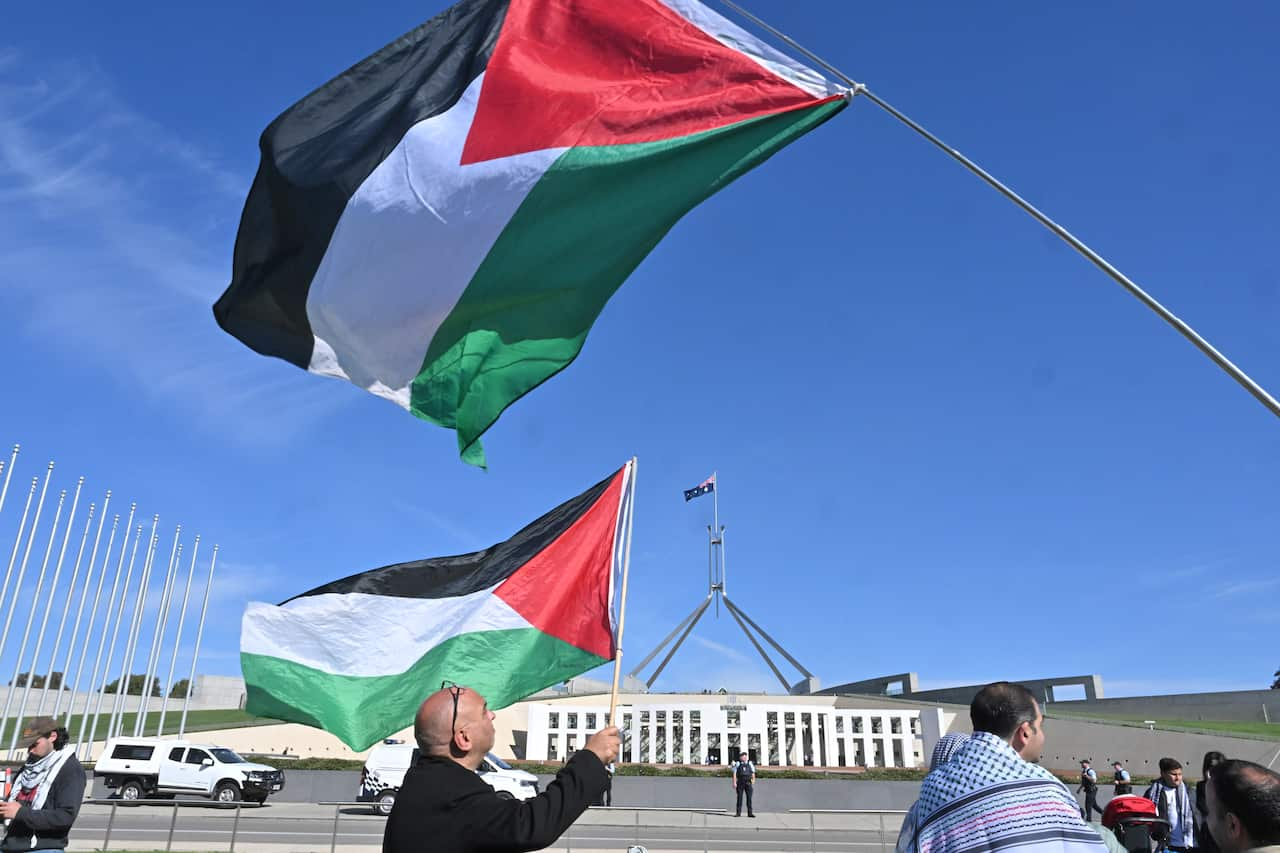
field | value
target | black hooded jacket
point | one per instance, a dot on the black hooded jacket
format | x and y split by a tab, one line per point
446	808
51	823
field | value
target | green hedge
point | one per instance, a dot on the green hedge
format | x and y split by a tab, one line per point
287	764
878	774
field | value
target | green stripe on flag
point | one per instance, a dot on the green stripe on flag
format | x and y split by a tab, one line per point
502	666
575	238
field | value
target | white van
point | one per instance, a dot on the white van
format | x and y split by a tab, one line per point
144	768
384	770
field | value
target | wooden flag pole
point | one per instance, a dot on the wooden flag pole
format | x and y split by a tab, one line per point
1066	236
622	601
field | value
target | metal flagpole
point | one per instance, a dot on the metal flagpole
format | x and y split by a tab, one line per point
62	620
26	633
713	540
693	621
715	499
84	594
719	534
110	645
694	616
22	570
759	649
8	472
724	566
195	655
143	593
711	564
17	540
177	639
1066	236
161	620
44	617
91	692
93	615
622	602
736	609
17	589
116	722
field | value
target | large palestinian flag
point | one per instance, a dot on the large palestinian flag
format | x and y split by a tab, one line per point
356	657
442	223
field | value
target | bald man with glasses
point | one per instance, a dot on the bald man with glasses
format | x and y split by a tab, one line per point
445	806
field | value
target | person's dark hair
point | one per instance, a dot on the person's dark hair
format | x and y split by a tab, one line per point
1167	764
60	737
1212	759
1001	707
1251	792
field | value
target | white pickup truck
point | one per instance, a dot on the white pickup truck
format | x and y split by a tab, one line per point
147	768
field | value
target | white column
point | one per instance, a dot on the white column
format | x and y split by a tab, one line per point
931	729
536	746
828	730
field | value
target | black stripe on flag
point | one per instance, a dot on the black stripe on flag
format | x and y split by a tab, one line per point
447	577
318	153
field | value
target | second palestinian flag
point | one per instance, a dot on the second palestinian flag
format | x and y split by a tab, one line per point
357	656
443	223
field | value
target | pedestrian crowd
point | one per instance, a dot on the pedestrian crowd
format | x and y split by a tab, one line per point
986	792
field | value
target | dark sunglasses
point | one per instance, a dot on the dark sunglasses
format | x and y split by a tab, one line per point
455	690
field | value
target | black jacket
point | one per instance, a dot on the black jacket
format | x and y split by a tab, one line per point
446	808
50	823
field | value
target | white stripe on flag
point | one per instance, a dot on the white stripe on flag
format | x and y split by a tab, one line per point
731	35
361	635
407	245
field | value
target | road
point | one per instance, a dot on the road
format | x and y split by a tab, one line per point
303	827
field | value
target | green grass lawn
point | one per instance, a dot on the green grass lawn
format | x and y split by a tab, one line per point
1265	731
197	721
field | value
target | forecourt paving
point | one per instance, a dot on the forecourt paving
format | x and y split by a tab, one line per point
306	827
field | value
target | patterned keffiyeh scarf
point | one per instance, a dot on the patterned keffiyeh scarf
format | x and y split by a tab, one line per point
36	777
1182	802
987	798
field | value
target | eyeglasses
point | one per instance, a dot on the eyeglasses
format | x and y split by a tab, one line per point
455	690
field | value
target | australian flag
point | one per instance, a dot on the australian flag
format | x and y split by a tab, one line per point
707	485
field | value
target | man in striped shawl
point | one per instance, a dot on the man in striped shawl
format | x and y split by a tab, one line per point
990	796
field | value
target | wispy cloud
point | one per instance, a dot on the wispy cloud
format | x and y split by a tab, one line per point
115	239
1188	572
1236	588
734	677
723	650
233	582
455	530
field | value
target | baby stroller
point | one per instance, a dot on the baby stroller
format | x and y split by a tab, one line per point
1136	823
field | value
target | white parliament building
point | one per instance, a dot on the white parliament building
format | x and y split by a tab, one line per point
713	729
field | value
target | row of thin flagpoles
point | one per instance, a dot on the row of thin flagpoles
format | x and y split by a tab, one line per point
94	654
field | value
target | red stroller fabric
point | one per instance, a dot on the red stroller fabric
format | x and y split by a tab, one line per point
1126	807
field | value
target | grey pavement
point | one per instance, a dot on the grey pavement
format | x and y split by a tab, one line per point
288	827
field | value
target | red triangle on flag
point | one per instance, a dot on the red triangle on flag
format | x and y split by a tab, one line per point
607	72
563	590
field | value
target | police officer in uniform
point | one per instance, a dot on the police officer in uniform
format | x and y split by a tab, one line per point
1089	784
744	780
1122	785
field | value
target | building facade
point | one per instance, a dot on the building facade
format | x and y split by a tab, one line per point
714	731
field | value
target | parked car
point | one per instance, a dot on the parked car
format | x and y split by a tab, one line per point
384	769
147	768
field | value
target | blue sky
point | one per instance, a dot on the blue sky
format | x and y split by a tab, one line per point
945	442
